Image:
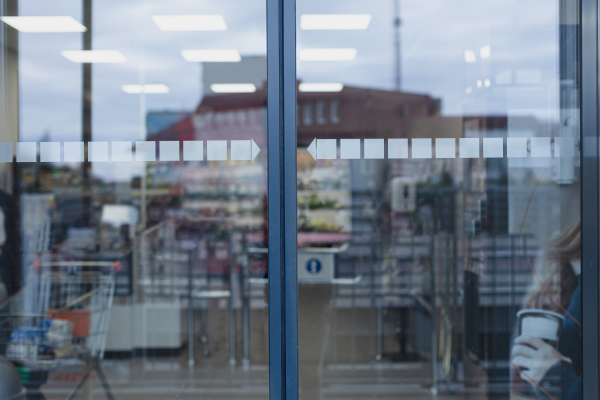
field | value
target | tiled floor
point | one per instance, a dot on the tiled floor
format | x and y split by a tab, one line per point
171	378
335	352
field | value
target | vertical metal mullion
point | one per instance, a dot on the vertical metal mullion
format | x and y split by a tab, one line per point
589	195
275	202
290	199
86	113
282	233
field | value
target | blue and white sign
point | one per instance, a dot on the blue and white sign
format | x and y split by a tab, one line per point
315	267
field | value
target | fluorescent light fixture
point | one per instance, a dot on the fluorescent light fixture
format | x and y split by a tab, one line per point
221	55
94	56
44	24
327	54
320	87
487	83
334	21
147	88
479	83
485	52
233	88
470	56
190	22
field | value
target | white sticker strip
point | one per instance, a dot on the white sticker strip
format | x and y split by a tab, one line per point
6	152
493	148
564	147
26	152
50	152
255	149
73	151
241	150
169	151
349	149
397	148
374	149
145	151
445	148
326	149
540	147
421	148
216	150
193	150
468	147
516	147
98	151
121	151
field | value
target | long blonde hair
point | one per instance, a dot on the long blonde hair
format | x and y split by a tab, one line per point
556	281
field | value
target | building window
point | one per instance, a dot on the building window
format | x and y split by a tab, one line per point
403	110
320	112
334	111
307	114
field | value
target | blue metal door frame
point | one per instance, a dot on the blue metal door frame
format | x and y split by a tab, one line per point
281	159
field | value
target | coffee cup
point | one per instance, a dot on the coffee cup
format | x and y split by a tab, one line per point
542	324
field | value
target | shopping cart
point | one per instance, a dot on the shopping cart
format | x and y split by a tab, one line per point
59	319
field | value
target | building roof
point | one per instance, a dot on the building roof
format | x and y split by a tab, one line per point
360	113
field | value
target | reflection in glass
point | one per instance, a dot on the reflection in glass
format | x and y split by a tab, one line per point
438	201
133	198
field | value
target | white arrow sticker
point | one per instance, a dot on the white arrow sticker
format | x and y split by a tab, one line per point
240	150
312	149
216	150
319	149
255	149
326	149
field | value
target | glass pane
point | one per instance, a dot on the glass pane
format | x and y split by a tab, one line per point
133	197
438	199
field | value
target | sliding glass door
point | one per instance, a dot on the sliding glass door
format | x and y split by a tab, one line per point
298	199
439	191
133	195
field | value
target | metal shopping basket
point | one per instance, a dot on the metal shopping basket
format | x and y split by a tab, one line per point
60	318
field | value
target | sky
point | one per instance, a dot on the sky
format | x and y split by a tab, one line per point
522	36
51	84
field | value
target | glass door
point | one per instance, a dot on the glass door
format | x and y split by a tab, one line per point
414	231
439	245
133	198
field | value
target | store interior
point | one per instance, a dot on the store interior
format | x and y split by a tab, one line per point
134	195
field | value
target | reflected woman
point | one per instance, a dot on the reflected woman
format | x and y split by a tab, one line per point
545	371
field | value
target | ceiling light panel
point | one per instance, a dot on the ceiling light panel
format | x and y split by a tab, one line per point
470	56
335	21
44	24
233	88
190	22
94	56
327	54
485	52
217	55
147	88
320	87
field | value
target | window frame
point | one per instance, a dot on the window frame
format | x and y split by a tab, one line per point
282	233
588	65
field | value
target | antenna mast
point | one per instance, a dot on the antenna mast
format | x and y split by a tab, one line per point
397	66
